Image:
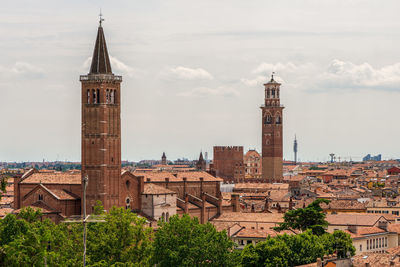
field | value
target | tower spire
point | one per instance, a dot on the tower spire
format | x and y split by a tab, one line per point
100	60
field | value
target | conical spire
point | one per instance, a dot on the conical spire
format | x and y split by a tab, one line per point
201	156
100	60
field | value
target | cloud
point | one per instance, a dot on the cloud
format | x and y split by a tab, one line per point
347	75
23	69
184	73
117	66
268	68
207	92
290	71
254	82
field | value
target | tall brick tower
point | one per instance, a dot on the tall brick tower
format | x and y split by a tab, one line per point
101	128
272	133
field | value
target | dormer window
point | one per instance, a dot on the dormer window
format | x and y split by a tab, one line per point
40	197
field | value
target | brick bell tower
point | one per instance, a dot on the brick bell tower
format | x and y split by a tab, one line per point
101	128
272	133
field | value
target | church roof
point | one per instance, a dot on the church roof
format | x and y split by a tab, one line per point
100	60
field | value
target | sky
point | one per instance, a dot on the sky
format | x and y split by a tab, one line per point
193	75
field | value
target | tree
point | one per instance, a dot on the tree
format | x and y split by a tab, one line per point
339	242
293	250
183	241
310	217
122	239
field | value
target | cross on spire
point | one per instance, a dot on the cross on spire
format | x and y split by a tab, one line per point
272	75
100	18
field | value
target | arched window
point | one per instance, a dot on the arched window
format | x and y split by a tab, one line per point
115	96
127	183
94	97
112	97
107	96
268	93
278	119
163	217
268	119
167	217
273	93
277	93
98	96
88	96
128	203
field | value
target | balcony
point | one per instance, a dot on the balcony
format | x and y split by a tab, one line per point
100	77
272	106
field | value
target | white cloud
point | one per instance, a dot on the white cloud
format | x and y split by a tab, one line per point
268	68
254	82
184	73
206	92
117	66
24	69
345	74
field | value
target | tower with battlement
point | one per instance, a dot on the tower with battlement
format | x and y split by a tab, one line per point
228	163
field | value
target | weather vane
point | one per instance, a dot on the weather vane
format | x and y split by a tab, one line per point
272	76
101	17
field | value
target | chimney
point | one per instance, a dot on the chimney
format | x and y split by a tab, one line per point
235	202
383	225
184	185
352	228
266	205
291	203
201	185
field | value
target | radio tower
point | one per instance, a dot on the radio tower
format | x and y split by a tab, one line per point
295	150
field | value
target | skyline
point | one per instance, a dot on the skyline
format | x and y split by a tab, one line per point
190	82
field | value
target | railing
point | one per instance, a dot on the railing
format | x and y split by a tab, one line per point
272	106
100	77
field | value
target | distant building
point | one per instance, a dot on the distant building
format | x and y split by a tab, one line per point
163	159
201	163
373	158
228	163
252	163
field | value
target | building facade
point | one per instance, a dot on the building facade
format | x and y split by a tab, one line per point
272	152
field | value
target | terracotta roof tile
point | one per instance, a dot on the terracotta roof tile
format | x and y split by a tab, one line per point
152	189
53	178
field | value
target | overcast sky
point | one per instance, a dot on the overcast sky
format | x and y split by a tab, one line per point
194	71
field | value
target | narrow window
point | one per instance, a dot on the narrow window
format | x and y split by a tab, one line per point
360	247
268	119
94	97
40	197
167	217
273	93
107	96
278	119
98	96
268	93
115	97
88	96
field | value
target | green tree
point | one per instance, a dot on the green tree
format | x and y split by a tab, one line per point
122	239
293	250
183	241
310	217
